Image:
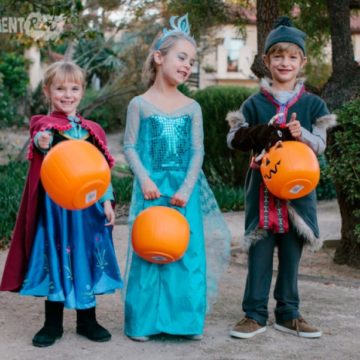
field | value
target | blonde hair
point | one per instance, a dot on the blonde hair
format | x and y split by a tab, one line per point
64	71
282	47
149	68
285	47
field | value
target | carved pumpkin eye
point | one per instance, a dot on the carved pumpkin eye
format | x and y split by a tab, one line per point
290	170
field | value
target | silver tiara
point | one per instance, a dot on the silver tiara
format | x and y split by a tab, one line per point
177	24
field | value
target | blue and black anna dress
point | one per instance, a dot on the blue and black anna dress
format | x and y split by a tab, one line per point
72	257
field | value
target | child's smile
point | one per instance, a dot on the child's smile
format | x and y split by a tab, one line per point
285	67
64	96
184	74
177	63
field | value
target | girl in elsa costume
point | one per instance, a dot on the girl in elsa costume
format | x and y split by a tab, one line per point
164	147
66	255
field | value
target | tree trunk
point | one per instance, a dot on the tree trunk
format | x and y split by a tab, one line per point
346	72
348	251
343	86
266	13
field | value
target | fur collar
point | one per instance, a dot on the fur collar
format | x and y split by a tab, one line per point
267	83
235	118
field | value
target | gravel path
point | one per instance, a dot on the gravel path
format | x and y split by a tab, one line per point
330	299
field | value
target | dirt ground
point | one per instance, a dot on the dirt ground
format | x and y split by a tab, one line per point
330	299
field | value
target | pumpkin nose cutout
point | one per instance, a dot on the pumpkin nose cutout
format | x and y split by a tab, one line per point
267	162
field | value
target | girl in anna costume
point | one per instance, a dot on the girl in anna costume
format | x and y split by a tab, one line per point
164	147
65	255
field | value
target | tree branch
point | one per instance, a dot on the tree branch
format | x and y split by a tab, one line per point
342	48
266	14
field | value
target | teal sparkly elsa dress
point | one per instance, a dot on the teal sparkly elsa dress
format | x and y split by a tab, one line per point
168	148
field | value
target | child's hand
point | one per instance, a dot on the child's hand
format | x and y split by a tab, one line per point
109	213
177	200
150	190
294	127
44	141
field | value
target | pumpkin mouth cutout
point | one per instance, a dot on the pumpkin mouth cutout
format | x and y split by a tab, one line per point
296	168
272	171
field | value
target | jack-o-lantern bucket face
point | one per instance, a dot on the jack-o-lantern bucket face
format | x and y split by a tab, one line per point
290	170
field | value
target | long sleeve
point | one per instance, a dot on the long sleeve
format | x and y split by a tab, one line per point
322	119
36	140
317	138
197	155
109	194
130	141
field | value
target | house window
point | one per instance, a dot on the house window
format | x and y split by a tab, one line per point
233	47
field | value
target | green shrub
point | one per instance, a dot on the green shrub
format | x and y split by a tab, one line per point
357	227
229	198
13	68
110	115
344	155
13	87
325	189
39	104
183	88
12	179
221	165
123	188
7	107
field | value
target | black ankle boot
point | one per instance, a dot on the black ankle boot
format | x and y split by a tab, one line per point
88	326
53	326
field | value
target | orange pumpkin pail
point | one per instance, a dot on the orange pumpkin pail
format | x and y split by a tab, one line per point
75	174
290	170
160	234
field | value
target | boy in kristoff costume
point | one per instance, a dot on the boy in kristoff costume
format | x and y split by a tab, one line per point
295	115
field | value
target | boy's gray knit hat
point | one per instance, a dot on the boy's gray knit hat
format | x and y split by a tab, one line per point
284	31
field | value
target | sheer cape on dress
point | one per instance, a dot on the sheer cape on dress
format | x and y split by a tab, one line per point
168	148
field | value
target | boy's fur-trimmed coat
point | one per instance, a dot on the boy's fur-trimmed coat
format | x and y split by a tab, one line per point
250	130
